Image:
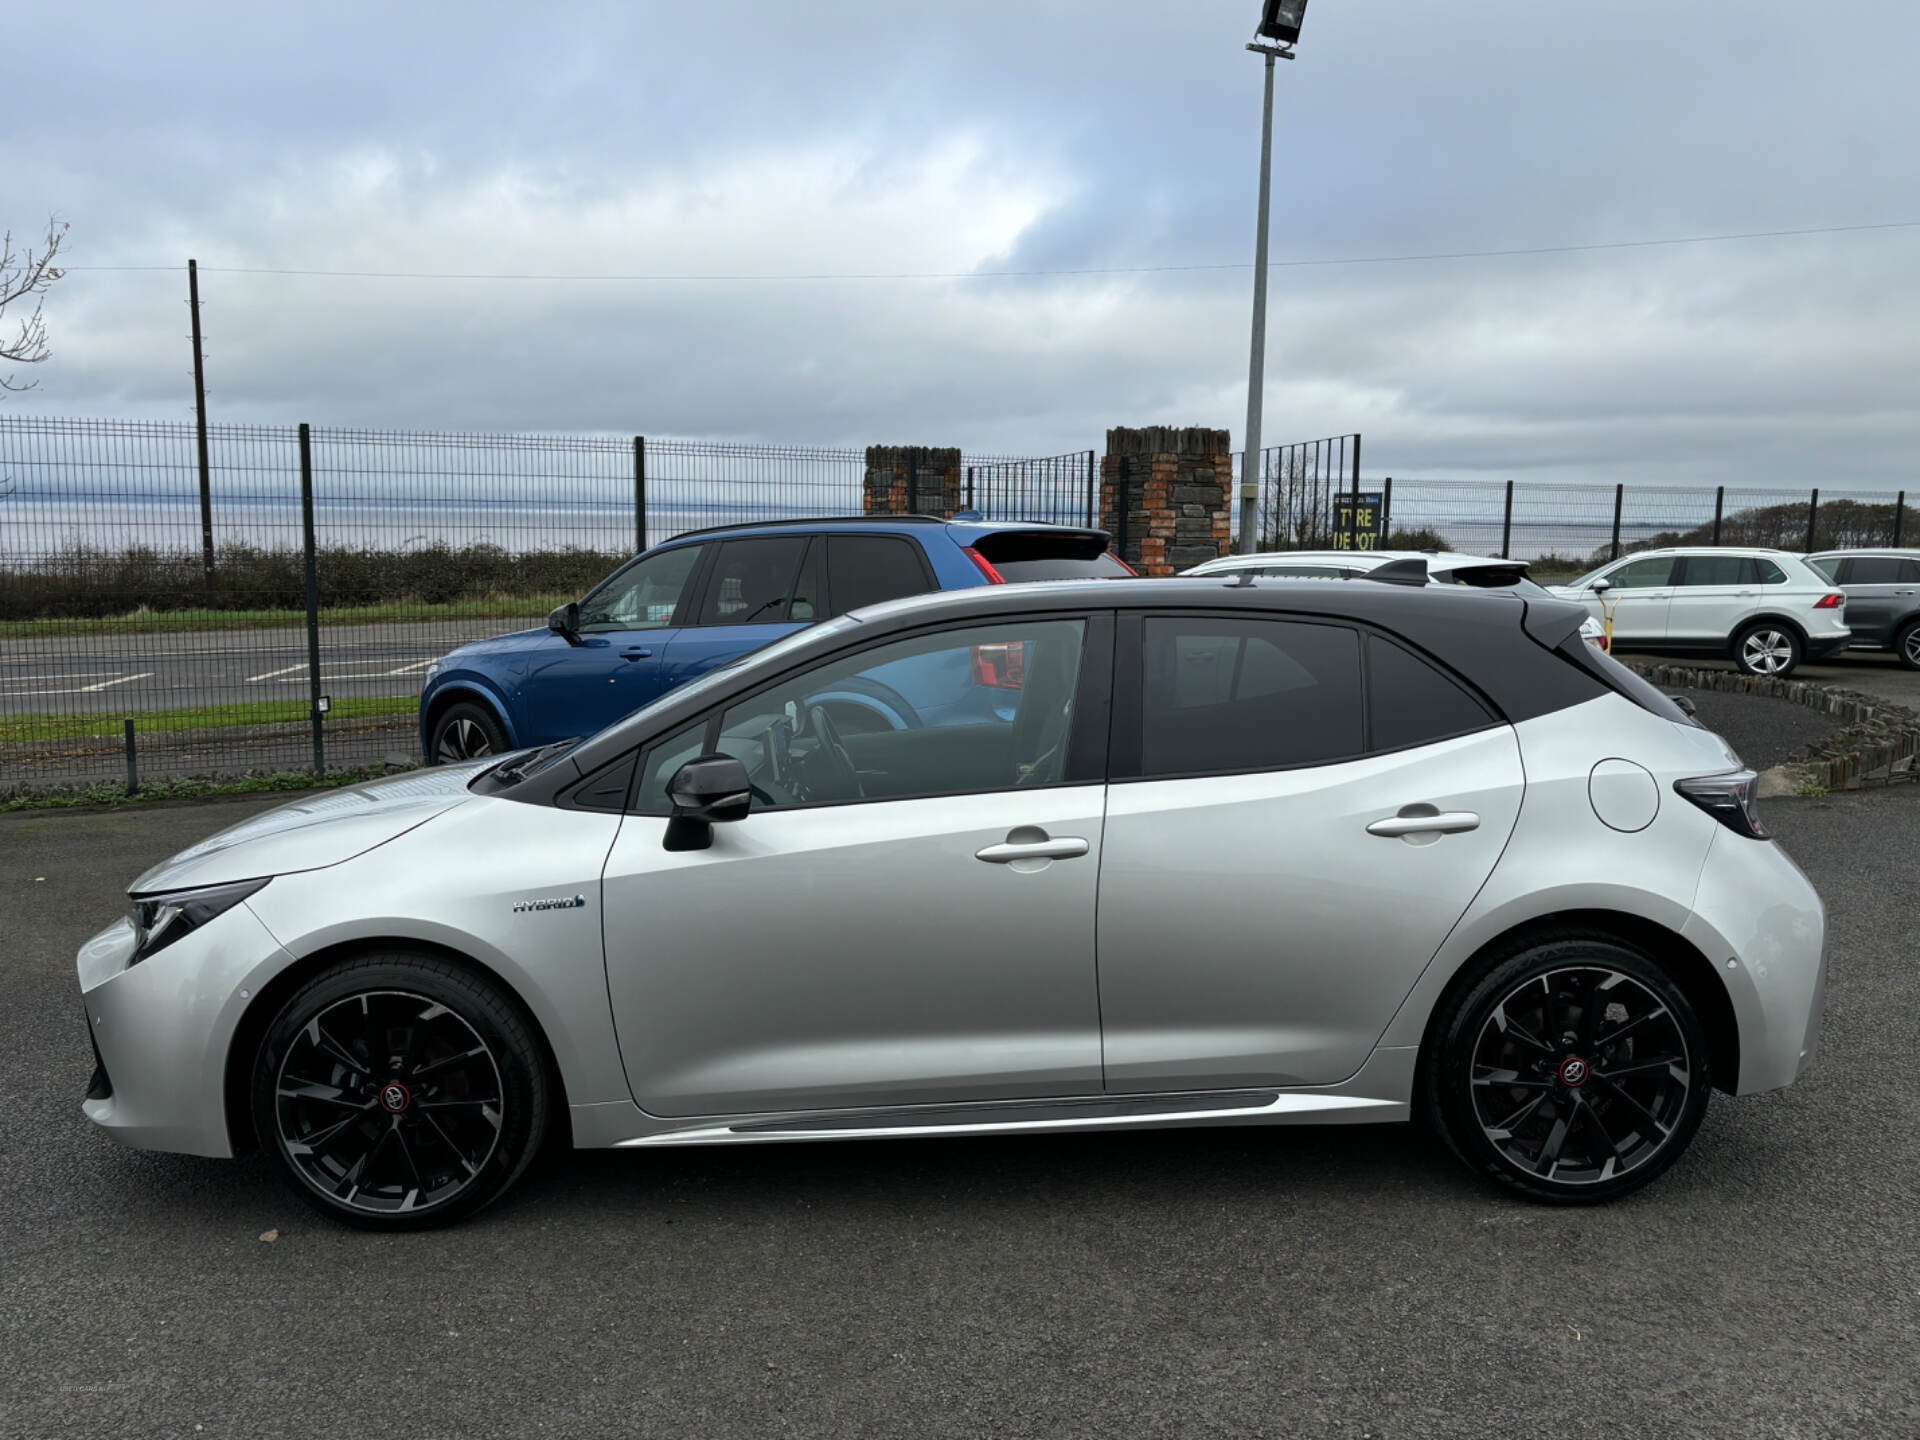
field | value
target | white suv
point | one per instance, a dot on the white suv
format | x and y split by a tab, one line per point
1766	609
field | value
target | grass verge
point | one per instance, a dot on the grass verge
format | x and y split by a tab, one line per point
37	728
518	610
114	792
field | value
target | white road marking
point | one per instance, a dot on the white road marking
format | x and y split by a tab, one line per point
81	689
256	679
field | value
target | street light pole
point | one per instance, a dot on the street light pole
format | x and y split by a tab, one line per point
1250	470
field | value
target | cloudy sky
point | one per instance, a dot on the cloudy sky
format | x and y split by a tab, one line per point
758	140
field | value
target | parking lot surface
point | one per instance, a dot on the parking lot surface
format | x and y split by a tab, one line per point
1277	1282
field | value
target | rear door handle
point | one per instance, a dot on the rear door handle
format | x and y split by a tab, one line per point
1067	847
1428	822
636	654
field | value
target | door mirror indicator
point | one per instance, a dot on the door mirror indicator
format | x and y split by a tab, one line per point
708	790
565	622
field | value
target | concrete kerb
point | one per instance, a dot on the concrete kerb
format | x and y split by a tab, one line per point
1875	745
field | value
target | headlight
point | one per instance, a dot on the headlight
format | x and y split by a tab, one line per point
159	920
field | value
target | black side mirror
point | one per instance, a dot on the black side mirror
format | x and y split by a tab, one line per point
1687	707
565	622
704	792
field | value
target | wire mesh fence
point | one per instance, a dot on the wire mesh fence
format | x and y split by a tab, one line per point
164	617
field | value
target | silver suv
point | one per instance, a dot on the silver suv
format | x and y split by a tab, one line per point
1883	598
1206	853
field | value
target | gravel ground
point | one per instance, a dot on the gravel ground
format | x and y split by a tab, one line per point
1312	1282
1764	731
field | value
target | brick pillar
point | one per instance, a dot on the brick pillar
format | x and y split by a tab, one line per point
929	474
1165	496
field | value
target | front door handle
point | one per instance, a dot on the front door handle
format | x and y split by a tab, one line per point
636	654
1067	847
1424	820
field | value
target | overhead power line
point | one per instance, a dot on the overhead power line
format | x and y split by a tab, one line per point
1092	270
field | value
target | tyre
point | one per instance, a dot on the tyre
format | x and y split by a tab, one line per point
466	731
1906	645
400	1091
1767	648
1574	1071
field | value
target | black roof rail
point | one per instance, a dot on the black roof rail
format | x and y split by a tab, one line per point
820	520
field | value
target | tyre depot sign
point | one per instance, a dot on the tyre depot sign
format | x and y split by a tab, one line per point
1358	521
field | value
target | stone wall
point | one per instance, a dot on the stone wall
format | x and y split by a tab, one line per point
1165	495
912	480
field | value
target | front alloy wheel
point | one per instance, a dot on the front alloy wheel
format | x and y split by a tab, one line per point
1575	1071
400	1091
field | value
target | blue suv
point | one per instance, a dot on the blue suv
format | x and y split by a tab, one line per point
710	596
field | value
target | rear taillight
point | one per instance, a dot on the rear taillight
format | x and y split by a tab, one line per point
1830	602
994	577
1728	798
1000	666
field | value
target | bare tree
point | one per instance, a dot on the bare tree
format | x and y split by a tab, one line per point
27	275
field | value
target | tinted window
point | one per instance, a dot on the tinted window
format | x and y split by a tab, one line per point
1872	570
1765	572
1223	695
753	581
1909	571
1717	570
809	591
987	707
644	596
1021	555
867	569
1643	574
1828	566
1411	703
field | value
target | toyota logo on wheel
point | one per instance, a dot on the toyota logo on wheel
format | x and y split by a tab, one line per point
1573	1072
394	1097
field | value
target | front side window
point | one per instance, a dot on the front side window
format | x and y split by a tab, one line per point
1642	574
1232	694
982	708
647	595
753	581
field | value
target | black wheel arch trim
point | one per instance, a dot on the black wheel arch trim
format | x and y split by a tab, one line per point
272	997
454	692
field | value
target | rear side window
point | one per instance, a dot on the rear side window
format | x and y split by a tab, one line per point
753	581
1409	702
1764	572
869	569
1229	694
1021	555
1717	570
1871	570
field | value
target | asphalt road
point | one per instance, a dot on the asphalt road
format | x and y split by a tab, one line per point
1312	1282
119	674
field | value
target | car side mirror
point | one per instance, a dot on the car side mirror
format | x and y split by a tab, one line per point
706	791
1601	586
565	622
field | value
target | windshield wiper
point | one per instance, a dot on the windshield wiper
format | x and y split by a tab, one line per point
513	771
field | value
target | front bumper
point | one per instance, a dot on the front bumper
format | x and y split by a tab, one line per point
161	1029
1760	922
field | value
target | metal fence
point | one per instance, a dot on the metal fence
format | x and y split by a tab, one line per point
1061	489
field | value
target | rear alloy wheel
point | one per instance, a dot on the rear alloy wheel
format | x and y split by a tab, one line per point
1573	1072
399	1092
465	732
1906	646
1766	649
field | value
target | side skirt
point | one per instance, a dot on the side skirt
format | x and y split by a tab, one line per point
1380	1092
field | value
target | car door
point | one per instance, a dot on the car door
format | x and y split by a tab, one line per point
1711	595
1268	893
613	665
752	594
1873	586
906	916
1638	597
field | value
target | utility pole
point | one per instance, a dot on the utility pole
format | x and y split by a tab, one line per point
200	429
1250	470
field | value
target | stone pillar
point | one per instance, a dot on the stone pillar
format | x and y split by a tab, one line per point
1165	497
912	480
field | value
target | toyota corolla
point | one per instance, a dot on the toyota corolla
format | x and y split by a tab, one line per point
1214	854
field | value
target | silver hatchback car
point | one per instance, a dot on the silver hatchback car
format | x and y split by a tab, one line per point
1022	858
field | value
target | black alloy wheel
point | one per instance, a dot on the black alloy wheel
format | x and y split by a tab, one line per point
1575	1072
399	1092
466	732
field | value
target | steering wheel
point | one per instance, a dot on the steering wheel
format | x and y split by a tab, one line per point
840	767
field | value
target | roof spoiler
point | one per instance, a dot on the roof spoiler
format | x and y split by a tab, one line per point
1398	572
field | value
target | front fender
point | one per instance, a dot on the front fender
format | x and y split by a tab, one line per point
459	685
